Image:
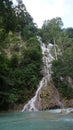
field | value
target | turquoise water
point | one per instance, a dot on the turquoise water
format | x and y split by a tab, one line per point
43	120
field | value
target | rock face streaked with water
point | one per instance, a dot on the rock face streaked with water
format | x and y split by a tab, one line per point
46	96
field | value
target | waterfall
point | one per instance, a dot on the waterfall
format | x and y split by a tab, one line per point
47	58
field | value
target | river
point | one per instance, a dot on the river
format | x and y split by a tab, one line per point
40	120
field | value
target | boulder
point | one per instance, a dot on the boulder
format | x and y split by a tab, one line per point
48	98
63	111
67	102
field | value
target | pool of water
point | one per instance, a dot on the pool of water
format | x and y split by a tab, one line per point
43	120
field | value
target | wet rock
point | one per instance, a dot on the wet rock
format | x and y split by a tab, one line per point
48	98
67	102
71	111
63	111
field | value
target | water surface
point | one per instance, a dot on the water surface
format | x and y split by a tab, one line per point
43	120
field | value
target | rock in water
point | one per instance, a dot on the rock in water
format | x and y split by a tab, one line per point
48	98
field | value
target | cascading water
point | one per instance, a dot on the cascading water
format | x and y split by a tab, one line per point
47	58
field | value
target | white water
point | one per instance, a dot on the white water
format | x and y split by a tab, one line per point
30	106
63	110
47	58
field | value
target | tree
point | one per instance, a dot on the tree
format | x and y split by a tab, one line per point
69	32
7	15
23	17
51	29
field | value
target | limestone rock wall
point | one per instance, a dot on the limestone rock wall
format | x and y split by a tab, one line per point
48	98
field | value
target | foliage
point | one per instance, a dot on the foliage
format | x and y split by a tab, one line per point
18	76
63	68
20	62
51	29
29	31
7	15
24	19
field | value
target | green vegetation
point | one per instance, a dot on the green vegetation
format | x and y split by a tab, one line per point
20	55
62	67
61	72
51	30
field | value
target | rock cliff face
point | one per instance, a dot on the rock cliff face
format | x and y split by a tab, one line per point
67	103
48	98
